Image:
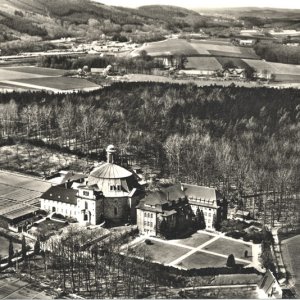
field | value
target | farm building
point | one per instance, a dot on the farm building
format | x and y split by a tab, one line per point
245	42
168	204
13	216
110	193
234	73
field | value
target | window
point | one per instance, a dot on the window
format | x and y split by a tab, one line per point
115	211
145	214
145	223
85	193
151	215
53	209
150	224
118	187
86	205
85	218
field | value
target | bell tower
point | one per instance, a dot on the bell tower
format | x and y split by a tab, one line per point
111	150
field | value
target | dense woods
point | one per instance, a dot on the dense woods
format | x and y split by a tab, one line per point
278	53
238	139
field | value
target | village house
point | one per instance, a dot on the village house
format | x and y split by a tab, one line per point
109	193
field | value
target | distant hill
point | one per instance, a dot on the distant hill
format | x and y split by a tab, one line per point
269	17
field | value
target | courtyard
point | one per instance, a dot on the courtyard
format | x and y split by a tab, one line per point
200	250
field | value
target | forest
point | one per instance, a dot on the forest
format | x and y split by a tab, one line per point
241	140
274	52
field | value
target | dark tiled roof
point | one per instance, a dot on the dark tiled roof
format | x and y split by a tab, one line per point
61	194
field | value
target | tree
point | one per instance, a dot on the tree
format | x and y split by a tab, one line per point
10	250
230	261
249	72
37	246
23	247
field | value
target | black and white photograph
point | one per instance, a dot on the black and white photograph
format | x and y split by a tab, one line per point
149	149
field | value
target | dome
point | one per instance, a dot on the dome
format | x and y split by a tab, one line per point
110	171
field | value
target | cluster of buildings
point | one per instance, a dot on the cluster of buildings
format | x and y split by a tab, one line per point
117	195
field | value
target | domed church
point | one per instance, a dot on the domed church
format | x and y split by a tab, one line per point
110	192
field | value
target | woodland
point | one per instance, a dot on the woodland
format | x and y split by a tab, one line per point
241	140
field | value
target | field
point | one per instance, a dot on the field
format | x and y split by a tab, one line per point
4	242
195	48
276	68
238	62
36	78
167	47
38	70
290	254
201	250
224	49
203	63
13	288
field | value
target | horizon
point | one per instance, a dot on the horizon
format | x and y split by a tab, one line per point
212	4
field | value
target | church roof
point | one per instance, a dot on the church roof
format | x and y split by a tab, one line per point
109	171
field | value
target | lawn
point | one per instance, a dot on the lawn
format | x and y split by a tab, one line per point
195	240
160	252
226	247
4	243
58	83
290	254
202	260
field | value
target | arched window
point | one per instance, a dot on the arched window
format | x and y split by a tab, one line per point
115	211
86	205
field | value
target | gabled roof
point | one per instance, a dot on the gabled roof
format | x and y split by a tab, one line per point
200	192
267	282
61	194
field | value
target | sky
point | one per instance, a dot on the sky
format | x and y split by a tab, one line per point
293	4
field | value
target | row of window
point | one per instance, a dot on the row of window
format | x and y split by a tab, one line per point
147	223
148	215
115	187
62	211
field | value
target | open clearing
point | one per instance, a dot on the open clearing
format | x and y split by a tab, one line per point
200	250
291	257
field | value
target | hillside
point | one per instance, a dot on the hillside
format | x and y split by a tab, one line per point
51	19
